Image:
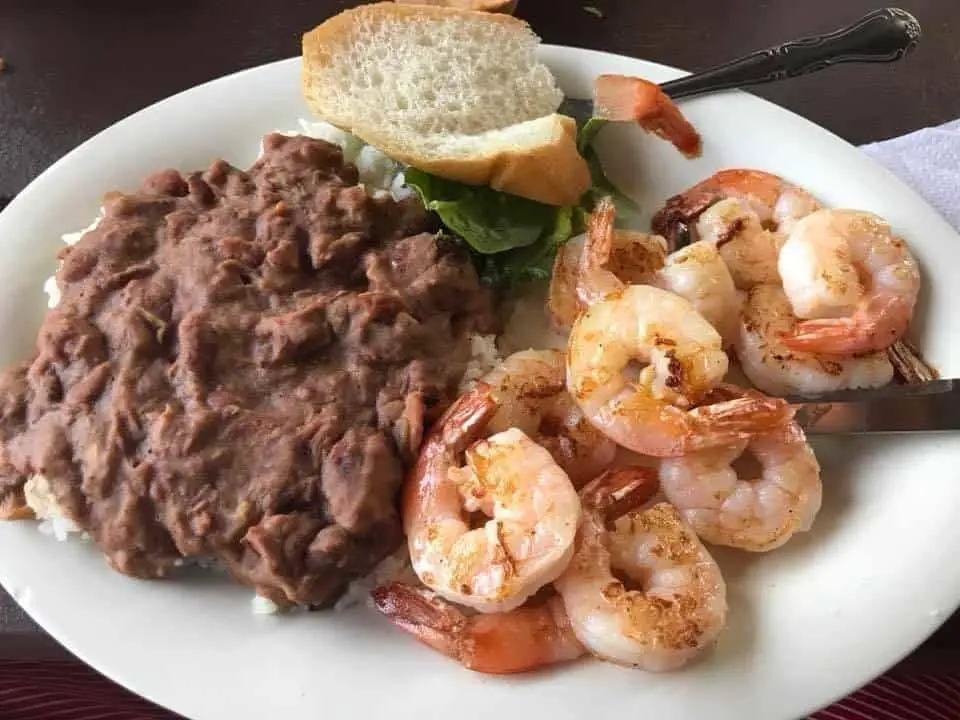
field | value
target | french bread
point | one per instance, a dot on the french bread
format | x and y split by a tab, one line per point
504	6
457	93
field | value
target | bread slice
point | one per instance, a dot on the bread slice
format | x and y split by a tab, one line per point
504	6
457	93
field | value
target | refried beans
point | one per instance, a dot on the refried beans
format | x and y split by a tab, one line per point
240	367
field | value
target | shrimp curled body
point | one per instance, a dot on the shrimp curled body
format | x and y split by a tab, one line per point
851	280
679	608
522	639
650	412
500	643
752	514
766	321
530	387
602	262
746	214
532	506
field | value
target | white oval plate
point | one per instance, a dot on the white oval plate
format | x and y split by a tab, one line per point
808	623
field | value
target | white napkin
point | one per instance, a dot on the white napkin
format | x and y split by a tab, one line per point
927	160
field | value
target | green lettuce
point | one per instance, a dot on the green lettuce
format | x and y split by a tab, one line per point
628	212
513	239
489	221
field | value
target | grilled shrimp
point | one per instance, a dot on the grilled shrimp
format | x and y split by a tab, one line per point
745	213
532	504
624	99
563	304
699	274
679	606
649	411
852	281
616	258
765	320
530	388
499	643
609	259
518	640
753	514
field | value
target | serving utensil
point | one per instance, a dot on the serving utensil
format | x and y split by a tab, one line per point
881	36
924	407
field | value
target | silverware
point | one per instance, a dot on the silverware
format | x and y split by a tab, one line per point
924	407
881	36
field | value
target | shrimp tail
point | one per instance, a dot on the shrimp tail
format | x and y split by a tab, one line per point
465	418
827	336
875	326
738	419
430	619
623	99
593	282
618	492
600	228
498	643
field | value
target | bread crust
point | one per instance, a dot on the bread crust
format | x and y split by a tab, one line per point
501	6
552	172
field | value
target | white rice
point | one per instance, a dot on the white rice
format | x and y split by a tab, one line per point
50	285
260	605
380	174
41	500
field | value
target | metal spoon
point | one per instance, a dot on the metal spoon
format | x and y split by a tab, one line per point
880	36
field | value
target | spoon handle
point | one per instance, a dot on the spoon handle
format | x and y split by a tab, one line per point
883	35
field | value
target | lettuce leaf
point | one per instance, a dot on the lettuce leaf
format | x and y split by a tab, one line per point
489	221
628	212
534	262
512	239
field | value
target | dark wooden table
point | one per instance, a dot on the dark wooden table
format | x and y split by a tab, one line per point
73	67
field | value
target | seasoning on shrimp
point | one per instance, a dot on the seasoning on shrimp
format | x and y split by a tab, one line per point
600	261
852	281
773	367
678	607
532	506
608	259
651	410
745	213
531	391
752	514
518	640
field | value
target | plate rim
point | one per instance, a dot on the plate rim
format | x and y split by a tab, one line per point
26	197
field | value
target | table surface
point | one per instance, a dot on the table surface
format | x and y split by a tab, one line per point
74	67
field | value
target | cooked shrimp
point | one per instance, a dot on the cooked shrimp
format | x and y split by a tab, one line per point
532	504
530	388
745	213
649	411
522	639
753	514
679	606
563	305
766	318
699	274
622	98
848	271
616	257
611	259
500	643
